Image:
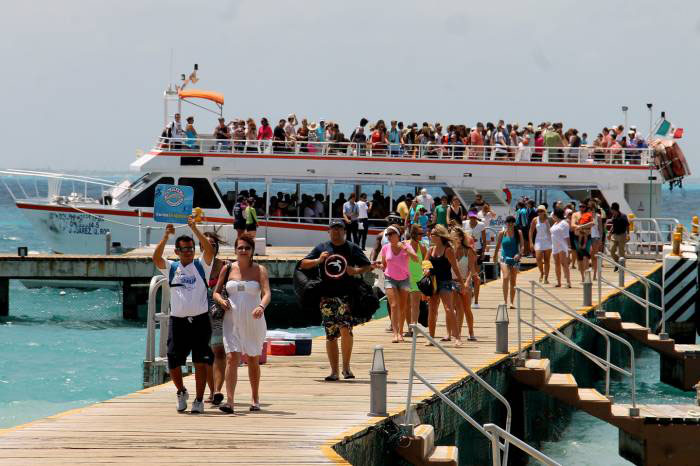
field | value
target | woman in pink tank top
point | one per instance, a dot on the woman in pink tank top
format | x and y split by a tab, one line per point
397	278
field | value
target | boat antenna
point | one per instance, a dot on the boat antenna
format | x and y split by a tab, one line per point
170	72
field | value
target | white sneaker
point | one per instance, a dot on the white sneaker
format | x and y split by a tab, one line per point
197	407
475	306
182	401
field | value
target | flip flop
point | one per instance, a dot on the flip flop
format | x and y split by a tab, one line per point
348	375
331	378
226	408
445	339
254	407
218	398
472	338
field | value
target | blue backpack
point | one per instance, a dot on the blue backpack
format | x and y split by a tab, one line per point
174	266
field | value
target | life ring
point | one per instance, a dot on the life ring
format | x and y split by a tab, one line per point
509	196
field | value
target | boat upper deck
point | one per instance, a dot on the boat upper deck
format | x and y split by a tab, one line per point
584	156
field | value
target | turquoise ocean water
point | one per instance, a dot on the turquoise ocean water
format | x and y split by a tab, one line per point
66	350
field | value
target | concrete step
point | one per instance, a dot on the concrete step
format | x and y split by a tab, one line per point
535	373
635	330
425	436
563	386
445	456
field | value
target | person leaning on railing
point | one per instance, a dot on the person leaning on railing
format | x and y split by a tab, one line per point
222	135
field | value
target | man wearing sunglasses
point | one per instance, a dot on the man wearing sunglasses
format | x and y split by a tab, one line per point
189	328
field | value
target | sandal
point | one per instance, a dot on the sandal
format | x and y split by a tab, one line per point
254	407
445	339
395	340
348	374
226	408
217	399
332	378
472	338
429	344
408	334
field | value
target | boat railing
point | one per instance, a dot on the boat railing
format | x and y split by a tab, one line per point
81	189
567	155
498	433
538	323
642	301
413	373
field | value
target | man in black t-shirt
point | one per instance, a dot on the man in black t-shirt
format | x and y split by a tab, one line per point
619	233
339	261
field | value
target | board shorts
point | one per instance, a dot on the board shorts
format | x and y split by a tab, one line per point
189	335
404	284
336	314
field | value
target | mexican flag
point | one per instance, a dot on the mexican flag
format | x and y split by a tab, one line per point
664	128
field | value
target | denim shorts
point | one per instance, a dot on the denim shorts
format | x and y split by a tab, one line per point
404	284
446	285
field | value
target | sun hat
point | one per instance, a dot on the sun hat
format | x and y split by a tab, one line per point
313	126
542	208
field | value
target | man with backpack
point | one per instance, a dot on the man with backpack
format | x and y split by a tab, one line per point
189	328
239	218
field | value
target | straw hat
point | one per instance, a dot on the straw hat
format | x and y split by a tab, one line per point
313	126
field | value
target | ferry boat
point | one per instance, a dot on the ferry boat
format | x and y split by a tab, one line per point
219	170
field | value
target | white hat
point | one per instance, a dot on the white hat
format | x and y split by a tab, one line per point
424	191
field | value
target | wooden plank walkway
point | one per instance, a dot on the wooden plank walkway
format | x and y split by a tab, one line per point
302	415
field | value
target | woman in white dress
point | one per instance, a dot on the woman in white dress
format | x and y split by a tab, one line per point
560	246
248	288
541	242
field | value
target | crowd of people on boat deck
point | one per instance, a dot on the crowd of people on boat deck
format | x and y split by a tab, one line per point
505	141
432	252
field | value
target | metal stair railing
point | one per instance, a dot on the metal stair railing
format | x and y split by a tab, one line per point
416	329
645	302
157	282
497	433
646	234
557	335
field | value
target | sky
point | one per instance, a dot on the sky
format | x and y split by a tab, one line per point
84	80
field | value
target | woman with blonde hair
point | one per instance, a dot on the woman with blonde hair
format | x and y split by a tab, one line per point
443	261
251	136
466	260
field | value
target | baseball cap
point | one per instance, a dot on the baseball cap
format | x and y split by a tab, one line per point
336	223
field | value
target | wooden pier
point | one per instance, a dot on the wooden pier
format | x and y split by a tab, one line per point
302	416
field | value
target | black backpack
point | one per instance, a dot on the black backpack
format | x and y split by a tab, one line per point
238	213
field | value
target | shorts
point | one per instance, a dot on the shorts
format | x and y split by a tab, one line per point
446	285
404	284
189	335
251	227
510	263
239	225
584	251
336	314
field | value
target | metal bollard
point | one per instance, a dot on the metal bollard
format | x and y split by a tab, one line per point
377	384
587	289
148	236
621	273
108	243
502	329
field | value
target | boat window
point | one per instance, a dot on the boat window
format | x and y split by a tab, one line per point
299	201
146	197
256	189
204	196
341	193
378	201
227	190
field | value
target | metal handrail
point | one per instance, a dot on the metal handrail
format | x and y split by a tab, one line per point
417	328
557	335
497	433
157	282
567	155
655	241
645	302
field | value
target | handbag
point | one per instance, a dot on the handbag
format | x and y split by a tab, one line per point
427	285
215	310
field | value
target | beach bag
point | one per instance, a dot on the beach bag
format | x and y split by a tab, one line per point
215	310
307	288
428	284
364	301
423	310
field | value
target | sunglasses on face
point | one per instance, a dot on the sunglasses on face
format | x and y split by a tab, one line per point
243	248
186	249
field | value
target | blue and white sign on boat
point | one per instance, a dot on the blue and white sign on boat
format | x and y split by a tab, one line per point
172	203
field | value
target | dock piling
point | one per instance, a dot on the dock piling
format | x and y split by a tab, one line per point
621	272
108	243
4	297
587	289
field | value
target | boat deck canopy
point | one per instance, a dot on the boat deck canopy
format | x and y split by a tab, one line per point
201	94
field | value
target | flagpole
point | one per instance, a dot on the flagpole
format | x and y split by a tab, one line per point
649	106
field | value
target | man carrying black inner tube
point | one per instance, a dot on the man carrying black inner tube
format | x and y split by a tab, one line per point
339	261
